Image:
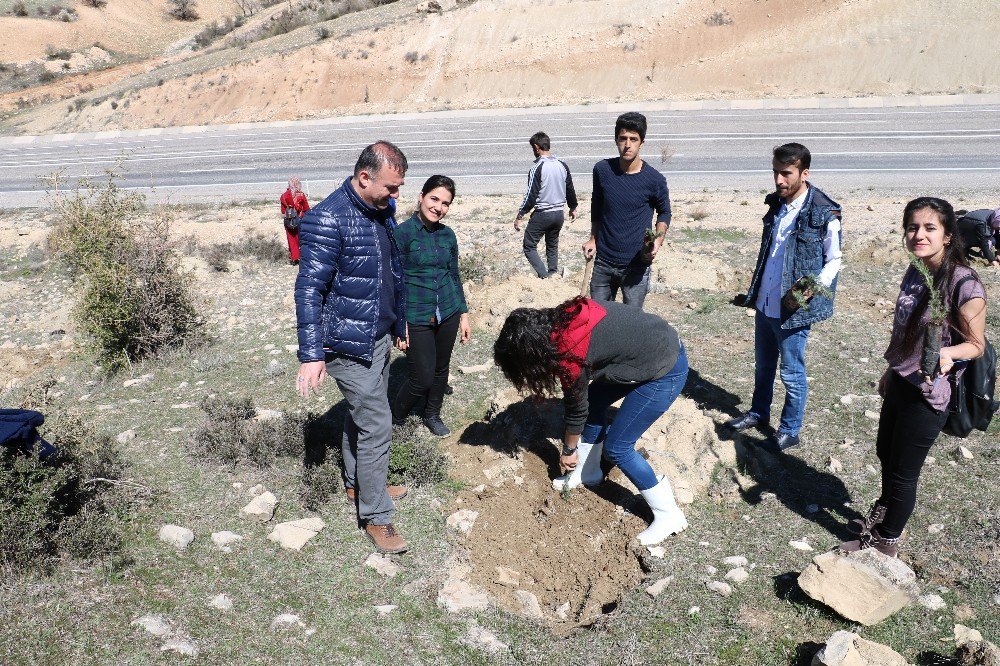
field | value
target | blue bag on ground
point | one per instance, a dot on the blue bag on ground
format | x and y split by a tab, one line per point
19	432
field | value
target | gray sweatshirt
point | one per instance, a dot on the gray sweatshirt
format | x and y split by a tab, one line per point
550	186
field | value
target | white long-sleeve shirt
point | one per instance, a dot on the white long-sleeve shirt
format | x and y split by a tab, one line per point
770	293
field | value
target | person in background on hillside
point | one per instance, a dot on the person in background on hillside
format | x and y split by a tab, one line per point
627	193
914	406
550	187
601	353
800	246
349	303
293	206
980	230
436	312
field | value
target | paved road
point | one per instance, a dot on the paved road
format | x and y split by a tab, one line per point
912	150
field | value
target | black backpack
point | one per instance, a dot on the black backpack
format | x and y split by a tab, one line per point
972	405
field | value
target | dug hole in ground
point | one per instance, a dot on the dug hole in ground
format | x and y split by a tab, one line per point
575	554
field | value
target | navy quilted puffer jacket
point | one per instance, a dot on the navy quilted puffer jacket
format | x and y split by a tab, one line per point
340	277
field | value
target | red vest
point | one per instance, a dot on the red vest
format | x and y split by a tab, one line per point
575	339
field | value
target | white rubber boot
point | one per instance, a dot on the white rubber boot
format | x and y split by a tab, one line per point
588	468
667	517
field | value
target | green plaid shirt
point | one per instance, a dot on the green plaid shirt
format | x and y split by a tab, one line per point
430	272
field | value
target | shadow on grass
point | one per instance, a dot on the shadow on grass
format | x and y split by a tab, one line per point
795	483
804	653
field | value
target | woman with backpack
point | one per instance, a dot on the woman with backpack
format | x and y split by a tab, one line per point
916	404
601	352
436	312
293	206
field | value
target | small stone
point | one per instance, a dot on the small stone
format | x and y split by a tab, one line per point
529	604
710	570
294	534
834	465
930	460
846	399
385	609
287	621
458	595
802	545
963	452
478	489
508	577
657	588
125	437
462	520
738	575
683	496
128	383
176	536
936	528
562	612
261	507
932	602
182	405
186	648
475	369
812	508
224	540
964	634
692	306
483	639
221	602
694	610
844	648
723	589
268	415
735	561
383	565
657	551
154	624
849	443
871	415
259	489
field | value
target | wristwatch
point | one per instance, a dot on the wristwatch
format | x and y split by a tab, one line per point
566	451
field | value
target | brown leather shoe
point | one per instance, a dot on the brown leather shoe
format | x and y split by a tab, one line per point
386	539
395	493
872	539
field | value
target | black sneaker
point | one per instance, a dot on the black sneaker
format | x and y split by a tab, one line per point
436	426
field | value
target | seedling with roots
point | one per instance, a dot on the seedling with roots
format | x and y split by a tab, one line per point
649	242
804	289
930	354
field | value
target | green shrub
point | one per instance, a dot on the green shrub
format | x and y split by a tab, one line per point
320	483
417	461
472	267
259	246
73	504
183	10
19	8
217	257
134	302
231	434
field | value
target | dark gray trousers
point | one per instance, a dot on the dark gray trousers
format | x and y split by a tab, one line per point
543	224
632	280
367	430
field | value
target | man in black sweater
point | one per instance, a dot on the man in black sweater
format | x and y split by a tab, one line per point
627	192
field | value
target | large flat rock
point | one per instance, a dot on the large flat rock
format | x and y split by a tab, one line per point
865	586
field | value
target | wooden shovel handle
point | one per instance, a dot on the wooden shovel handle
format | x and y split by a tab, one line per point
587	272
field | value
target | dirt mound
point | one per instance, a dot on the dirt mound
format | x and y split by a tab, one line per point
576	554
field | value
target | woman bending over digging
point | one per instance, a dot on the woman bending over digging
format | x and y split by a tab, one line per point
932	338
601	353
436	312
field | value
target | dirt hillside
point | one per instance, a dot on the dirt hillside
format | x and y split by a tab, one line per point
515	53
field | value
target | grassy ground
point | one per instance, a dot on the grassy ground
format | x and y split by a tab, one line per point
82	613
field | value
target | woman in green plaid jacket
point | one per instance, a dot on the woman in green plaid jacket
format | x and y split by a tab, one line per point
436	311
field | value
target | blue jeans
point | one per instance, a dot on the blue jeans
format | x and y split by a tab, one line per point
632	280
643	404
772	342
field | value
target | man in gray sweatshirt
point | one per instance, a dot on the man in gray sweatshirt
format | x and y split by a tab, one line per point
550	187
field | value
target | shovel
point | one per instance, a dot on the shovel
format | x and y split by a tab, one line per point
587	271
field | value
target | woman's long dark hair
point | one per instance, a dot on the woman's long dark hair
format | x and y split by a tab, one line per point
437	181
526	349
954	255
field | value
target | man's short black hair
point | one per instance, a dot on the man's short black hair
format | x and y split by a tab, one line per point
379	154
793	154
631	122
541	141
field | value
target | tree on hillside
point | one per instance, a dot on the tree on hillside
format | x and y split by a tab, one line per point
97	4
185	10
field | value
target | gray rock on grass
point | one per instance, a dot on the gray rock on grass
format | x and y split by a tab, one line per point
864	586
382	565
154	624
176	536
458	595
224	540
221	602
529	604
294	534
844	648
180	646
483	639
656	589
462	520
261	507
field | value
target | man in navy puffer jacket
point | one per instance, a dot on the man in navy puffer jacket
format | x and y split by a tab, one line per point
349	300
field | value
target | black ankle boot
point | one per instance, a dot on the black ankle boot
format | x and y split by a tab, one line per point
436	426
876	515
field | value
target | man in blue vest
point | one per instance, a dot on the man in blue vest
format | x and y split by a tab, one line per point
349	302
793	287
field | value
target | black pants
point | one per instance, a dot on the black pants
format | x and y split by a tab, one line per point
429	355
907	427
547	224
